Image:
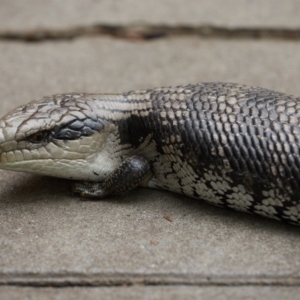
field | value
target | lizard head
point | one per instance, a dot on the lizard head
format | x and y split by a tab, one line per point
60	136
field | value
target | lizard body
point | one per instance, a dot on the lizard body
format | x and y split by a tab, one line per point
228	144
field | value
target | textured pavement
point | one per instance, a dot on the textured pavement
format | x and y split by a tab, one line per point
153	293
127	246
33	14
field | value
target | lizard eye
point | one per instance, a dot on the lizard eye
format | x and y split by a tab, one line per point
38	137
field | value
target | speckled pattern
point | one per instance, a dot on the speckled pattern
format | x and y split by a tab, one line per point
230	145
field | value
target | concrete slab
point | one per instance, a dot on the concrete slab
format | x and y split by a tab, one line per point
30	70
152	293
51	238
33	14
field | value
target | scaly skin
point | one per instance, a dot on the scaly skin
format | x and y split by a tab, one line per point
230	145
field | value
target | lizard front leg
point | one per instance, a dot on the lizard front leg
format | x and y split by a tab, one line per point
131	173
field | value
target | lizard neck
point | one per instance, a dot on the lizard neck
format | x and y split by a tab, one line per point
118	107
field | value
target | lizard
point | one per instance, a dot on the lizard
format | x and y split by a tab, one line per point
231	145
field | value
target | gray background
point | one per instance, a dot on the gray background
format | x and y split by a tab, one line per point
124	246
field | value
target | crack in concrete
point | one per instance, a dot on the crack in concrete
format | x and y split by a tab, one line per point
148	32
112	280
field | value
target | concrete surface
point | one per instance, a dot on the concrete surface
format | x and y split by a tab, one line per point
56	14
125	246
153	293
50	237
33	70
